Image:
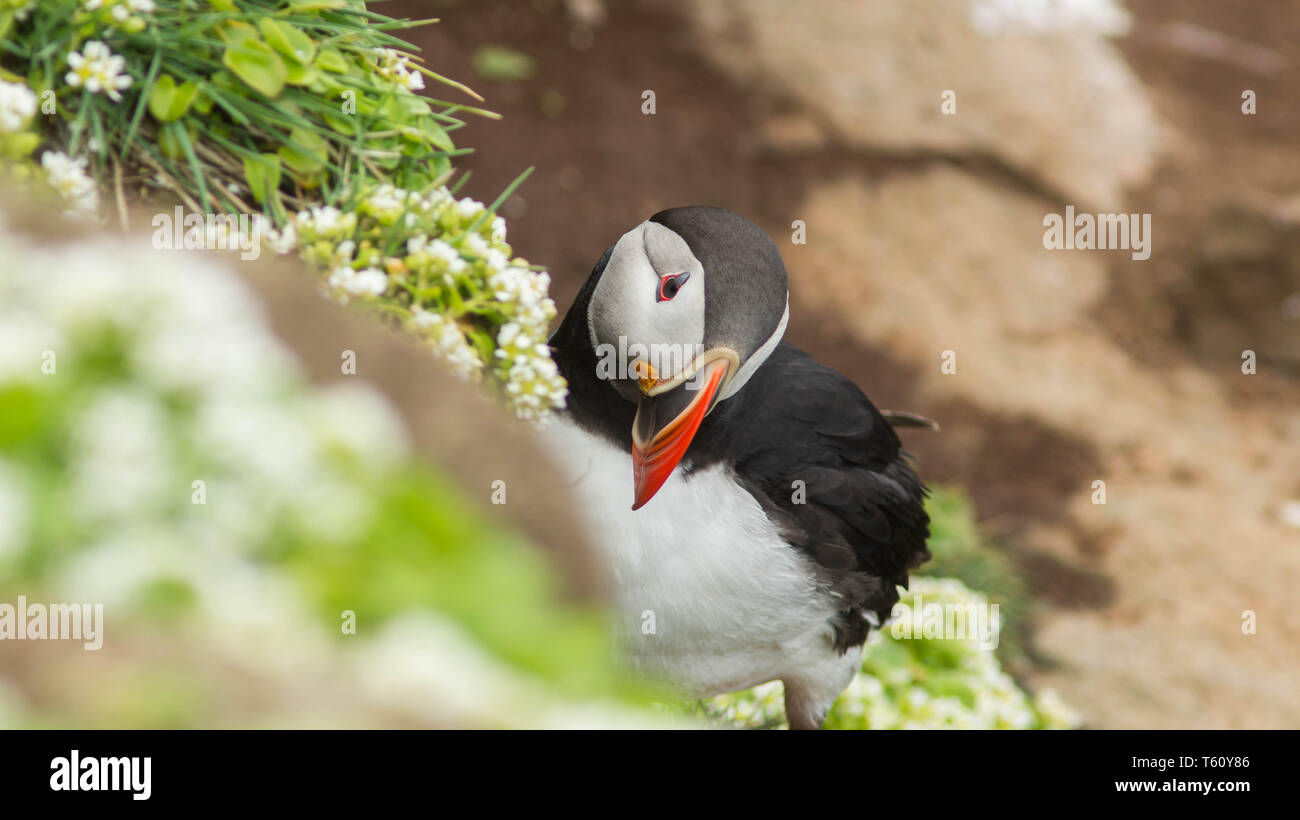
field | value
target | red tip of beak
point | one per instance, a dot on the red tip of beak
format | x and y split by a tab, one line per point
655	461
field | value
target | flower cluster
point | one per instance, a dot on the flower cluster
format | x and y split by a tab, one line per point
68	177
97	69
916	683
17	107
395	66
124	14
448	342
449	276
410	250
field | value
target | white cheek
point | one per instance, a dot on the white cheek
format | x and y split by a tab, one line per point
626	313
678	326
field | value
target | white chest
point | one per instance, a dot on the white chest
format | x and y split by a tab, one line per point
711	596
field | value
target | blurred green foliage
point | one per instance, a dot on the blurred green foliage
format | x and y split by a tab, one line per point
503	64
960	550
161	456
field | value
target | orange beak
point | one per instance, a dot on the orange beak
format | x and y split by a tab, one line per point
657	448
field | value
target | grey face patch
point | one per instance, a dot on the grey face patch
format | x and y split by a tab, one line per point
625	315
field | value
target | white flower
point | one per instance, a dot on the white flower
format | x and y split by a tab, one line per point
68	177
440	249
326	219
121	10
394	66
437	199
476	245
448	342
416	244
411	80
371	281
360	420
258	440
368	282
123	464
496	260
424	319
97	69
469	208
325	222
283	241
344	252
387	202
533	381
17	107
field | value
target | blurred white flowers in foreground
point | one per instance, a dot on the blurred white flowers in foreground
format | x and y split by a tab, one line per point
68	176
161	455
17	107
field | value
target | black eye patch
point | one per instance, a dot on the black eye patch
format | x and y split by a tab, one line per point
670	284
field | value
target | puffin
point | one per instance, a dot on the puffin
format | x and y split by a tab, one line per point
756	509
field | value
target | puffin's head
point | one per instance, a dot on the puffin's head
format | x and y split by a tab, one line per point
690	303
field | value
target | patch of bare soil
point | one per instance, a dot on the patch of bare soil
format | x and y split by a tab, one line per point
1072	367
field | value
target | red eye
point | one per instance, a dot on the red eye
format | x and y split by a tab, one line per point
670	284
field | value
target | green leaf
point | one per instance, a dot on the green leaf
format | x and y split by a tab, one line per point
263	175
234	32
287	40
223	5
437	136
347	127
440	166
254	62
391	109
309	153
503	64
169	143
331	60
19	145
301	74
412	104
225	81
168	102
